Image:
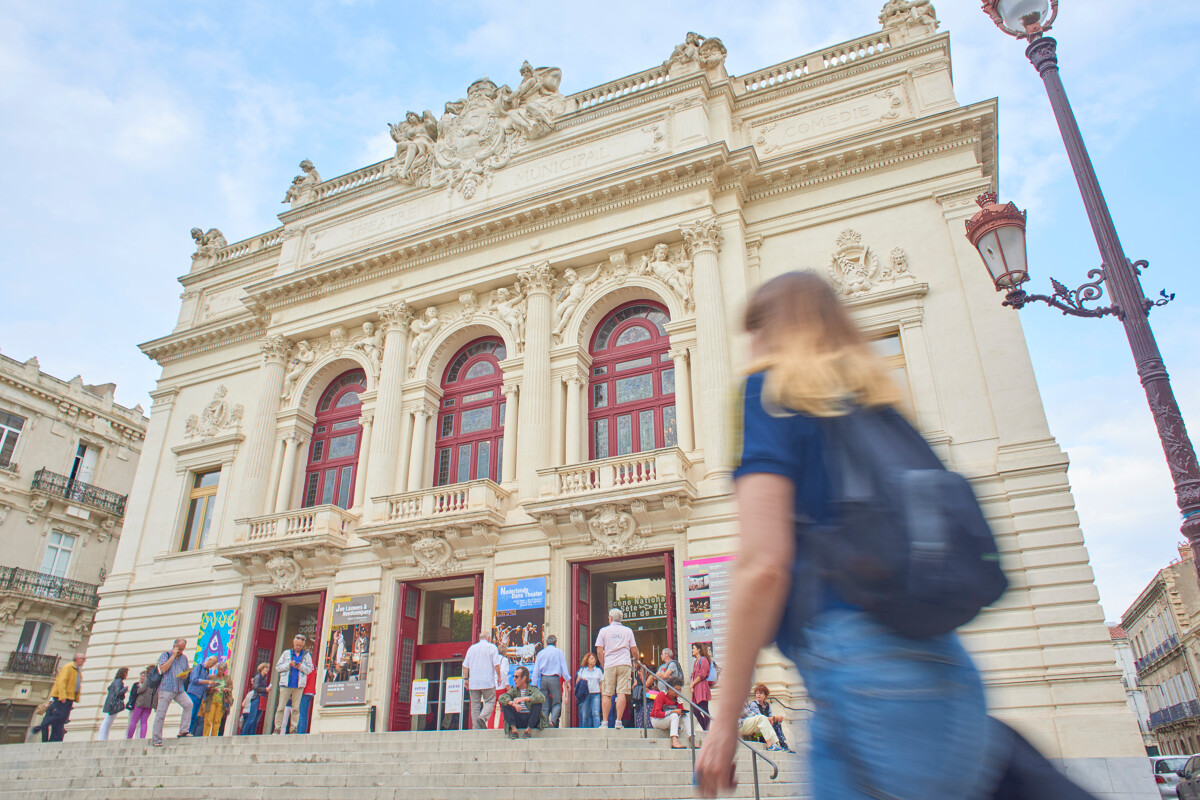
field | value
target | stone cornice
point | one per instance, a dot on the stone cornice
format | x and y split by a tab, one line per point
70	406
600	195
204	338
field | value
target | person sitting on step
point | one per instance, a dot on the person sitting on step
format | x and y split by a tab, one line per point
668	712
522	705
751	722
762	702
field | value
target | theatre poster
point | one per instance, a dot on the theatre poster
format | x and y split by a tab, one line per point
706	593
348	651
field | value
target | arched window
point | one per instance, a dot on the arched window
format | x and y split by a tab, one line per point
631	397
470	427
336	439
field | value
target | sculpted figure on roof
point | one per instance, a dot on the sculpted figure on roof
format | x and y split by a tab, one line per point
909	17
301	190
696	51
208	244
414	140
537	100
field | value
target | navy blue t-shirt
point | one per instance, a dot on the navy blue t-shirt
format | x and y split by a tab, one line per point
783	442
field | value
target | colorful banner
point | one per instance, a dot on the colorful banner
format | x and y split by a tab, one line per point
217	629
706	590
348	651
520	619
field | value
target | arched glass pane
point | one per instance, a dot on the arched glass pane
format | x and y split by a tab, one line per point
646	312
633	335
348	399
479	369
353	378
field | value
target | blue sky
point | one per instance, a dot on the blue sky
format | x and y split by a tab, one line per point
126	124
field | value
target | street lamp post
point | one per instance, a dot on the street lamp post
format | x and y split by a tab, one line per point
999	234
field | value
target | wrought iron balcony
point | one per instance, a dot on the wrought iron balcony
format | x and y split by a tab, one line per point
28	583
62	487
33	664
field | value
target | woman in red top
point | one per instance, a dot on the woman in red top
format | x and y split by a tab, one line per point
667	712
701	688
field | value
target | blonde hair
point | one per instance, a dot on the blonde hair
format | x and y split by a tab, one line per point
814	355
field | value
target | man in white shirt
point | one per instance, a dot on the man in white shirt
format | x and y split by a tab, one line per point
616	649
481	669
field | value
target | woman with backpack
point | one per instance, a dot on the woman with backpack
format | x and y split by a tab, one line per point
114	703
701	687
142	698
896	717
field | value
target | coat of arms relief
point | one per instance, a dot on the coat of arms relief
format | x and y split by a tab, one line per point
855	268
479	133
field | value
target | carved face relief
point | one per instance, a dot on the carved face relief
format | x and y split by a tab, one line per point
432	554
612	530
285	573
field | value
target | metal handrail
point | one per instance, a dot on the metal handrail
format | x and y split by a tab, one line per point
696	711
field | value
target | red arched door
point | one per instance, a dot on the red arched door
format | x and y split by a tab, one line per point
470	427
337	437
631	397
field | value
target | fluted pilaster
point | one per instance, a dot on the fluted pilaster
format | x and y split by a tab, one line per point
534	422
713	373
261	436
387	431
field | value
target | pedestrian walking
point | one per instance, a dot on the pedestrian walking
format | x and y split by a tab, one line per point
553	672
896	716
481	671
199	685
64	694
114	703
173	667
261	685
616	650
701	688
293	668
217	700
143	697
591	676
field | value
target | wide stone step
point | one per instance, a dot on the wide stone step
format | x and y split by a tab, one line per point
659	791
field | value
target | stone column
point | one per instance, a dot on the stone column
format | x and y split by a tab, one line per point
575	383
416	465
683	398
287	472
364	459
277	455
703	239
534	422
508	469
387	433
260	439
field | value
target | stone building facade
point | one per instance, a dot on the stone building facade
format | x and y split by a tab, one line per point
506	354
1163	625
67	459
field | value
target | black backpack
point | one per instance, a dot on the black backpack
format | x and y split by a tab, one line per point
909	543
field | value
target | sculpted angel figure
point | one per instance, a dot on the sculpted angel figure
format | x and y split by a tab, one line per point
414	140
207	244
689	50
371	343
537	100
573	290
423	329
302	185
300	360
662	268
507	305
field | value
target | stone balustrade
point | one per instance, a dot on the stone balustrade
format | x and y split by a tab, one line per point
802	66
444	501
619	473
353	180
623	87
304	523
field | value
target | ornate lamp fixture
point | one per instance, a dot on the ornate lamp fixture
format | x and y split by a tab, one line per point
1024	19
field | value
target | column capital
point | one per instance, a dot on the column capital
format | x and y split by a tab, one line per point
679	354
422	409
274	348
703	235
368	418
396	316
511	388
298	439
576	377
537	278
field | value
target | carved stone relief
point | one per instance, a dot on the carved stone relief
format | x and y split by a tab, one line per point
855	268
432	553
423	330
285	573
219	416
509	305
614	530
81	627
478	134
696	52
36	506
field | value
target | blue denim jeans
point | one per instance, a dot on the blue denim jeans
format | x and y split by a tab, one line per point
305	712
589	711
251	724
895	718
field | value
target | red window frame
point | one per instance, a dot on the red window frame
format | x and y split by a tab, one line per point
331	480
651	417
463	395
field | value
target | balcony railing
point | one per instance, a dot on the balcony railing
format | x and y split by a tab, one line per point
26	582
33	664
444	501
61	486
1175	713
621	472
327	520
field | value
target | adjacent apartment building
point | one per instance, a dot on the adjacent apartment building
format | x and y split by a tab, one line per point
67	459
1165	640
486	383
1133	690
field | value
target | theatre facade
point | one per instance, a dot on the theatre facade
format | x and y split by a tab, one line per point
487	381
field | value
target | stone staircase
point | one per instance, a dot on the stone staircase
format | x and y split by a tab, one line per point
567	764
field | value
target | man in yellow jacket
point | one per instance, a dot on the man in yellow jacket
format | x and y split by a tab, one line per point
63	696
